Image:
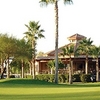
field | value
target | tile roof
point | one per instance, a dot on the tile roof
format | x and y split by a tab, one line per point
76	37
51	54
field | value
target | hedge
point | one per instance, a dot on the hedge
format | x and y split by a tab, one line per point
63	78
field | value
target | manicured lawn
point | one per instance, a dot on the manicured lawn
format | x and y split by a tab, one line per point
28	89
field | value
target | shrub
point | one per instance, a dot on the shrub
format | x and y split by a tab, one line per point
39	77
76	78
44	77
85	78
62	78
51	77
29	76
12	76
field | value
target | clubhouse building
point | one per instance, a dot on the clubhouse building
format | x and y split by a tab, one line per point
79	62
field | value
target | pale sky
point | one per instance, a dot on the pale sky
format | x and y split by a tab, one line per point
81	17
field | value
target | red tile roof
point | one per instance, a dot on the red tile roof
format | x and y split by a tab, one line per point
76	37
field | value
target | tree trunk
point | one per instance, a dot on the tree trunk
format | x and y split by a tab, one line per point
33	58
8	68
56	41
30	67
52	70
86	65
72	67
2	68
97	70
22	68
2	74
70	72
34	68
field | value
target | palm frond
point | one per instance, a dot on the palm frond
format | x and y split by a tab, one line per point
46	2
41	35
68	2
29	28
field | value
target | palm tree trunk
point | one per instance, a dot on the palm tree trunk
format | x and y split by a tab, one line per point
33	58
86	65
8	68
70	72
97	70
52	70
56	41
72	67
30	67
34	68
22	68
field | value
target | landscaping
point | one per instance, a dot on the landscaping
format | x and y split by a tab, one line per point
29	89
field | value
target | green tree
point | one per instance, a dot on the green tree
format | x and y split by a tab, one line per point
69	51
32	35
55	2
84	48
23	54
51	65
95	53
15	66
8	48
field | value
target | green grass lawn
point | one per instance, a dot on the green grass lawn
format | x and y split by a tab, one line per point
28	89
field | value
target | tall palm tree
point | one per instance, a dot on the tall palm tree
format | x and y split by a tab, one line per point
33	34
96	54
55	2
84	48
69	51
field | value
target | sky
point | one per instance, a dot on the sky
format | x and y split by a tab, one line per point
81	17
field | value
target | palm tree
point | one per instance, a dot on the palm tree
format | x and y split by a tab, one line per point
33	34
51	65
95	54
84	48
55	2
69	51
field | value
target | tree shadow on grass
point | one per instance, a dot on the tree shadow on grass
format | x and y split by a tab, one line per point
25	82
40	83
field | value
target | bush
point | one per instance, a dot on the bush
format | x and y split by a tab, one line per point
76	78
62	78
39	77
29	76
85	78
12	76
51	77
44	77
